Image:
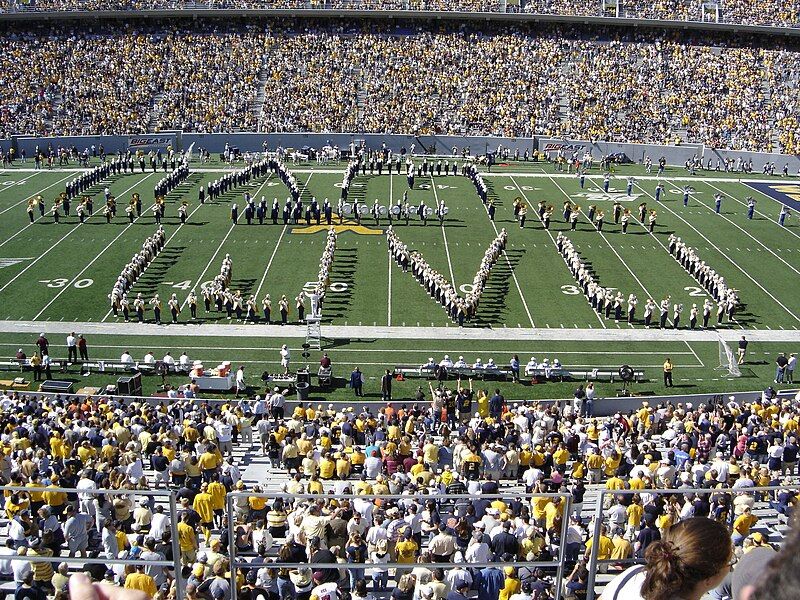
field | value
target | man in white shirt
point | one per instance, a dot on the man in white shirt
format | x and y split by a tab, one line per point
460	363
184	362
88	501
224	436
149	359
159	522
21	568
446	362
168	360
126	358
241	386
72	348
6	552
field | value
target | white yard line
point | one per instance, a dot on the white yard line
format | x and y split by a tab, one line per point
388	252
532	208
269	263
758	212
444	235
11	237
728	258
428	352
695	354
69	233
277	244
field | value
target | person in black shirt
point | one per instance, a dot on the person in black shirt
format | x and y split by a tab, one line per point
505	542
780	367
742	350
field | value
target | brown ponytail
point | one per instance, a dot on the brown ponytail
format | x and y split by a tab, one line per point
691	551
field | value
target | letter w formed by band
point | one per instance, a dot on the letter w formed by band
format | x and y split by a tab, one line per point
459	308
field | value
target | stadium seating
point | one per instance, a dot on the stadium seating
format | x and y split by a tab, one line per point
554	81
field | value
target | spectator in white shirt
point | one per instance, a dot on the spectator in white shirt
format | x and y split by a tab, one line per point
126	358
6	552
184	361
168	360
149	359
21	568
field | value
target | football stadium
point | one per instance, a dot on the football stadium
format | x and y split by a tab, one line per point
465	299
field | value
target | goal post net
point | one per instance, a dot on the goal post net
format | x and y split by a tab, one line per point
728	360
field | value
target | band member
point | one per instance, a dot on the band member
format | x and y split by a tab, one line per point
80	210
573	217
707	306
301	307
751	207
659	191
651	221
31	208
629	187
182	212
693	316
422	212
125	305
376	212
548	214
56	210
686	191
287	211
617	212
523	213
632	302
155	303
664	308
156	214
138	306
649	307
283	305
192	302
266	308
251	307
491	209
598	222
274	211
406	209
717	203
441	212
174	307
40	203
626	217
107	213
591	213
328	210
542	206
567	211
642	211
234	213
677	309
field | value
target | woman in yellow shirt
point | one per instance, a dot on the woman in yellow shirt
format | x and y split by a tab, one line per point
512	583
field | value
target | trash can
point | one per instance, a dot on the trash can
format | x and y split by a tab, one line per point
302	390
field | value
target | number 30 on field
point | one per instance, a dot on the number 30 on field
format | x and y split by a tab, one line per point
62	282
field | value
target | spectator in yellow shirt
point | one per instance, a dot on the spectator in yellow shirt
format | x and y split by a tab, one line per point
139	580
187	539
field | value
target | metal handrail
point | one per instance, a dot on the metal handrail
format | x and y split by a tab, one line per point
558	562
175	564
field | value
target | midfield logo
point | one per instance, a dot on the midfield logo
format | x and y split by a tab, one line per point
345	226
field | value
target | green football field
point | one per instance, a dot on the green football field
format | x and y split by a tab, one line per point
65	271
62	273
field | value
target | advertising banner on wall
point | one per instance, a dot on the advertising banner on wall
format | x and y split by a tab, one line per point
151	142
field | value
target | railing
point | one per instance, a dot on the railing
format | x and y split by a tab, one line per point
175	564
557	564
599	517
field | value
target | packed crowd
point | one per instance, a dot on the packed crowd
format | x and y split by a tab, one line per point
562	81
764	12
457	461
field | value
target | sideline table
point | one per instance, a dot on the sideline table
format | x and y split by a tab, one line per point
209	383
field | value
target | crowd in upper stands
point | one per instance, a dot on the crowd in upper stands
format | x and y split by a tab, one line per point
776	13
563	81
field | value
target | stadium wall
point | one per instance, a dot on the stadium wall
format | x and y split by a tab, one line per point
435	144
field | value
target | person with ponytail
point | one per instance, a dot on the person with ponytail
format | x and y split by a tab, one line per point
693	557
